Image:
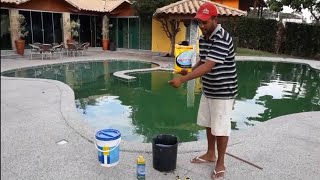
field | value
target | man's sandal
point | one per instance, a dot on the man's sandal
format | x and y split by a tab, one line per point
198	160
215	173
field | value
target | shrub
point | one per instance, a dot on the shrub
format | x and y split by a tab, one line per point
21	26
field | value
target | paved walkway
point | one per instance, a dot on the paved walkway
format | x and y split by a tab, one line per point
38	113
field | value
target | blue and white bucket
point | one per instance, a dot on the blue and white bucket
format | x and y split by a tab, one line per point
107	144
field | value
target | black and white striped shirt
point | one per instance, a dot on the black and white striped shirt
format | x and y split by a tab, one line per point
221	81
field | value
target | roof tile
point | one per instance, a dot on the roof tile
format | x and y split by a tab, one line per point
88	5
190	7
14	1
97	5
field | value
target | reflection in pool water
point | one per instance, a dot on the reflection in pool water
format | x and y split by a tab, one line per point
149	106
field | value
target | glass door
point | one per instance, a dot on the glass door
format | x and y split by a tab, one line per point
43	27
134	34
93	31
57	26
123	30
48	28
90	29
37	31
98	31
145	33
5	33
113	30
85	29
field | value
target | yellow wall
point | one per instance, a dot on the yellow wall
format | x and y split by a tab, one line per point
230	3
160	41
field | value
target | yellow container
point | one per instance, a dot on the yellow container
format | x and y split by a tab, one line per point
183	58
140	160
141	165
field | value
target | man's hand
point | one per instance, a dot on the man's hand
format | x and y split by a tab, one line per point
198	72
176	82
183	72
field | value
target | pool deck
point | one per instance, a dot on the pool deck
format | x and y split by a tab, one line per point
38	113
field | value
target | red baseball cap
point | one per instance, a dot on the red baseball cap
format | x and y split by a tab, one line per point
206	11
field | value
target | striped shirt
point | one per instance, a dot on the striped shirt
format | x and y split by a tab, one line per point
221	81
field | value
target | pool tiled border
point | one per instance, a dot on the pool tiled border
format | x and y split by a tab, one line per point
163	65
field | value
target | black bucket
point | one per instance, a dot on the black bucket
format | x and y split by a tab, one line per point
112	46
164	152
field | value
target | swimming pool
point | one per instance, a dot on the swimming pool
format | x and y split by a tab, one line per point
148	106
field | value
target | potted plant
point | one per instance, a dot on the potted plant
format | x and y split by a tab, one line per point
72	27
105	33
21	33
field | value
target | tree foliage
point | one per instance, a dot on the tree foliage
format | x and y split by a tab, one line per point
148	7
171	28
20	26
297	39
312	5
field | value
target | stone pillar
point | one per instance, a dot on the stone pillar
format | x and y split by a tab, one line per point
66	26
105	27
193	33
14	25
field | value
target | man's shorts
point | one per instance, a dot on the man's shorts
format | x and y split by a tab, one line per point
216	114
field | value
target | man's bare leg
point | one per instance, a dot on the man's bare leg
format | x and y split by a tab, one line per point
222	142
210	155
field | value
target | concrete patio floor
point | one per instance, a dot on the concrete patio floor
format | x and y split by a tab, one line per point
38	113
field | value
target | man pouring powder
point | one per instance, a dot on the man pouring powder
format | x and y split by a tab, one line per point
217	70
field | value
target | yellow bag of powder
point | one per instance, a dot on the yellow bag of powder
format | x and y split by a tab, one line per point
183	58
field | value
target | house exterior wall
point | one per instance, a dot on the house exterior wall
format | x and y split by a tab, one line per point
230	3
160	42
63	7
59	6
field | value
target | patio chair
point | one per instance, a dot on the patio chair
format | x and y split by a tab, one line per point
55	44
83	48
46	49
58	49
72	48
63	48
86	46
35	50
37	44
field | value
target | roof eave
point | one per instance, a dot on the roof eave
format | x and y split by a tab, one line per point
72	4
188	16
115	7
163	11
16	2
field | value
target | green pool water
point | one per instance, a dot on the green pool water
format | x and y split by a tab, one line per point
148	106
